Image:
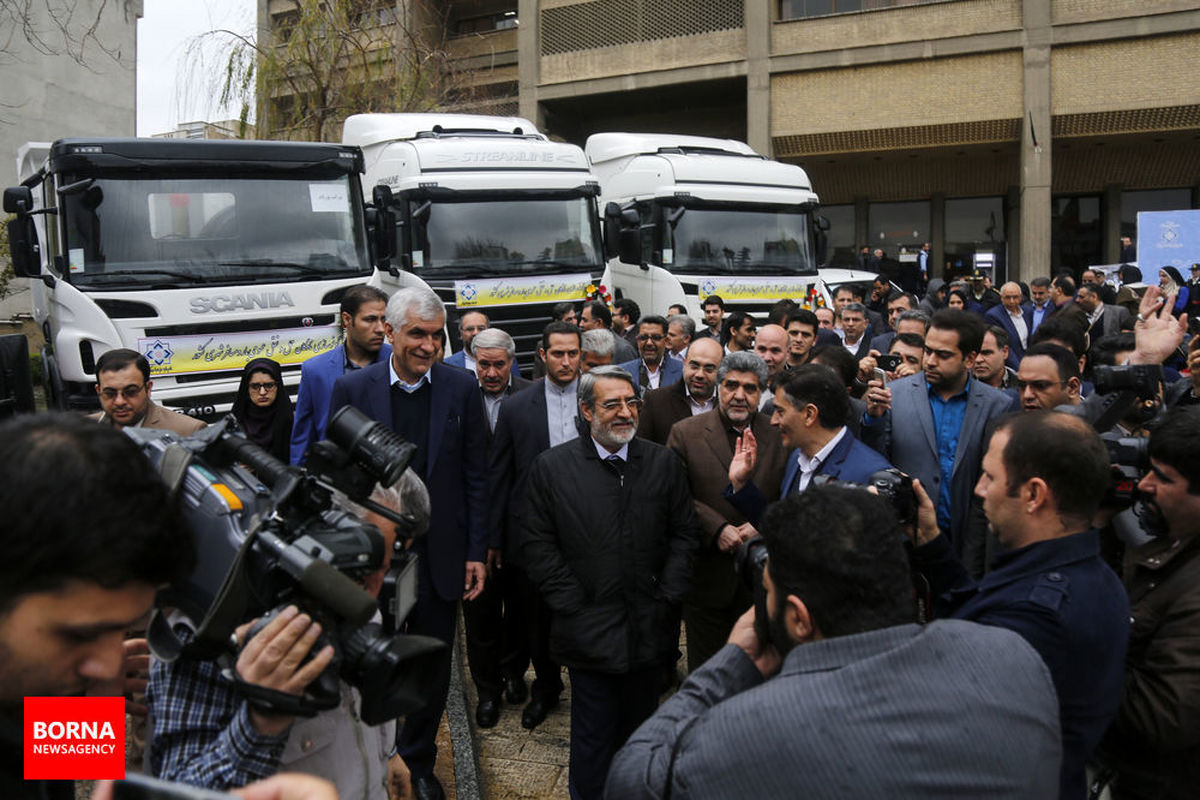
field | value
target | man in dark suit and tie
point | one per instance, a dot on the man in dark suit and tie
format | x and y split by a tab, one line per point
695	394
440	410
1016	318
494	352
932	425
530	422
653	370
810	413
705	444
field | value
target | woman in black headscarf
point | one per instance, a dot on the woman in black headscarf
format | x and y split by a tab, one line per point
263	409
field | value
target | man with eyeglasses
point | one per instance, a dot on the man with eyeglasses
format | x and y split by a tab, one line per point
123	384
653	370
1048	378
608	535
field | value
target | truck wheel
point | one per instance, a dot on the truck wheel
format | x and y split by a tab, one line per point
52	384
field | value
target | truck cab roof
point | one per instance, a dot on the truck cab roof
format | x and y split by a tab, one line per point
130	153
368	129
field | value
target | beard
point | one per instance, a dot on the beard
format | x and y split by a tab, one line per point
609	437
775	632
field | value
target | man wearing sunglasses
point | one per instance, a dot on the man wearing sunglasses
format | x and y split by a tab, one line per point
123	384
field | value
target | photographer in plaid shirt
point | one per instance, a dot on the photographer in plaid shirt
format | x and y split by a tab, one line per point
207	735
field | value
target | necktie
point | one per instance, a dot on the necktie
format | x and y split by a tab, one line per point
618	465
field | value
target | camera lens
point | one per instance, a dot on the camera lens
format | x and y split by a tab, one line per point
379	450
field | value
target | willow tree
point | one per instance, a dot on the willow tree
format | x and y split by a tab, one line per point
319	61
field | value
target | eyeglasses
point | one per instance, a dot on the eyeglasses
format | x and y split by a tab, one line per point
633	404
265	386
129	392
650	337
1038	386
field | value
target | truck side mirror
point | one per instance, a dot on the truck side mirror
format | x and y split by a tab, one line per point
23	246
630	242
612	230
18	200
382	225
821	239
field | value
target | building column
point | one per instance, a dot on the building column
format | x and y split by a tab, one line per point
1110	218
528	62
937	235
757	21
1036	173
861	209
1012	233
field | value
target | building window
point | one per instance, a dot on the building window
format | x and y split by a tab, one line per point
1154	200
975	236
899	230
799	9
841	235
1075	228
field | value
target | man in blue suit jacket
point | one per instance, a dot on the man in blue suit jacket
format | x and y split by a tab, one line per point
653	370
810	411
440	410
933	426
363	311
470	324
1011	315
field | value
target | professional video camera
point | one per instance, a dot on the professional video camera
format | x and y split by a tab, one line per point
268	536
1129	457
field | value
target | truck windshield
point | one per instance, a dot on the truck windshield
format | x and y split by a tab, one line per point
507	237
737	241
169	232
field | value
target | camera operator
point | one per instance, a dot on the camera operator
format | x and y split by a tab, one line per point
1154	742
208	735
1043	477
837	693
89	536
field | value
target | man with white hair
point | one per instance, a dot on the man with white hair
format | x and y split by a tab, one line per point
440	410
608	535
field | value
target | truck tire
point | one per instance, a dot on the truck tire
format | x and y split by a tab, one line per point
16	385
52	383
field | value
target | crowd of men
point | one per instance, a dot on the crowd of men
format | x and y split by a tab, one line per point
1015	631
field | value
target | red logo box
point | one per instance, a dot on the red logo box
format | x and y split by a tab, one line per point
74	738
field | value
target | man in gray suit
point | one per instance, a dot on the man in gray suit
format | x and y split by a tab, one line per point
839	694
932	426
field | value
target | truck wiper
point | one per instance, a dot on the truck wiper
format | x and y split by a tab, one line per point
328	266
136	275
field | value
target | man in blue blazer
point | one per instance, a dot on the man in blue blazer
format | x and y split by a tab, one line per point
1017	320
933	426
811	405
440	410
363	311
653	370
470	324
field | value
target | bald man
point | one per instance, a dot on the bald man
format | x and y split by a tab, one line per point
771	345
1015	316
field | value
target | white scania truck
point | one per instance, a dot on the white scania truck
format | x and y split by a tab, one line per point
201	255
488	213
688	216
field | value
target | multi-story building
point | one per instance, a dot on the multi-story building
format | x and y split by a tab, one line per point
69	72
1030	130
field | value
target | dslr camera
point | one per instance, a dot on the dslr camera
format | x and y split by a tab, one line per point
269	535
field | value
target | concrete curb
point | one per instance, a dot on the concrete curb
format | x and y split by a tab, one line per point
462	733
